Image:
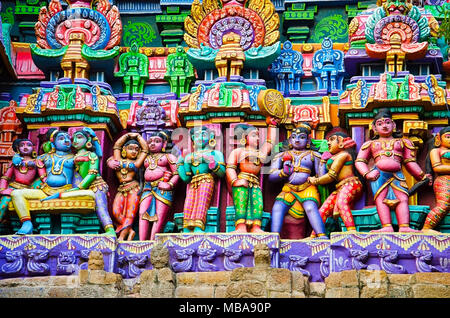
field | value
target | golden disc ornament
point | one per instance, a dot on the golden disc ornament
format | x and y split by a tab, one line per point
271	103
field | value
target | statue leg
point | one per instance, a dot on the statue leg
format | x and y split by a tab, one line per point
127	84
144	225
101	203
240	199
345	197
327	208
4	202
312	212
132	205
279	211
181	86
118	210
402	212
384	212
257	211
442	192
162	210
188	209
20	201
202	204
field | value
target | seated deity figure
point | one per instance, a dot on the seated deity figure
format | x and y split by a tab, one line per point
129	154
340	169
387	181
243	171
199	169
161	177
298	196
56	170
439	158
20	174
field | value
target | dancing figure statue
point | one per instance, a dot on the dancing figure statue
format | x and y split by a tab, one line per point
298	196
198	170
161	177
87	175
129	154
20	174
388	183
56	170
440	164
340	170
243	169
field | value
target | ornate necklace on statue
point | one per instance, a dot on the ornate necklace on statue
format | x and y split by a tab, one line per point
196	160
57	167
153	160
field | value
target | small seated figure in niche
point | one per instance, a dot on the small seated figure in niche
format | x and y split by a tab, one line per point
161	177
130	151
439	158
298	196
340	169
20	174
230	59
390	152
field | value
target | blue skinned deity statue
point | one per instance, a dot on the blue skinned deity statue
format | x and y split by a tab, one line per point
287	69
328	67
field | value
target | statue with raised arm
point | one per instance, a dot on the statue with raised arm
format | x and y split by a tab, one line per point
199	169
387	181
298	197
440	163
243	171
129	154
56	170
339	167
20	174
161	177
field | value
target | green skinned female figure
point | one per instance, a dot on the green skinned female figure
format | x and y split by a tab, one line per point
198	170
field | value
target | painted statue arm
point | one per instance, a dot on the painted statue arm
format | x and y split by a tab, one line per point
276	169
232	166
334	170
92	173
270	140
317	164
143	153
172	163
362	160
219	169
4	180
42	171
409	160
118	146
184	169
436	163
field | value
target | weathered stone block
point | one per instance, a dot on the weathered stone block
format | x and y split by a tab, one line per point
300	283
194	292
342	279
279	279
432	278
317	289
186	278
431	291
342	292
214	278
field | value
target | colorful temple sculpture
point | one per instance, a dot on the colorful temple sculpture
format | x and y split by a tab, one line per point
320	131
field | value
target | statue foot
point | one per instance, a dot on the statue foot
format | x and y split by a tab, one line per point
256	229
322	236
430	231
131	235
407	229
123	234
386	229
27	228
198	230
240	228
110	231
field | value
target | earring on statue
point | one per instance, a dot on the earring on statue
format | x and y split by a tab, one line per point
212	142
243	141
89	145
33	154
437	141
124	153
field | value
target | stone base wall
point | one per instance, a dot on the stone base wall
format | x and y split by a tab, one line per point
261	282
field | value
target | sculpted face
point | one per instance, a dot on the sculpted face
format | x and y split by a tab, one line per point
132	151
445	140
62	142
298	140
200	138
79	140
25	148
155	144
253	138
333	144
384	127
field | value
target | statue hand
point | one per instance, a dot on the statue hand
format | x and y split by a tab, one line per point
241	183
164	186
430	177
273	121
113	164
133	135
212	162
17	160
313	180
287	168
373	175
